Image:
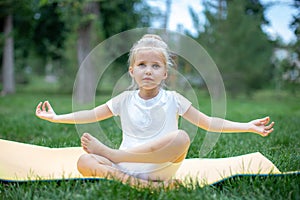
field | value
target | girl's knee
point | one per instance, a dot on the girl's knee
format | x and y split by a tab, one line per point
83	163
92	165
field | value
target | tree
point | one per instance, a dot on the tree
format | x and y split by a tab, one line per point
295	25
17	16
167	13
47	27
23	43
236	42
292	73
117	16
8	76
85	90
8	57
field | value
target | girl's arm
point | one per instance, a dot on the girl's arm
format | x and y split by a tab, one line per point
45	111
214	124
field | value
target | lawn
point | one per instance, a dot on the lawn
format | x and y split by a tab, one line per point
18	123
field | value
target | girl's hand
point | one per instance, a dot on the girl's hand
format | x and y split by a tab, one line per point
262	126
45	111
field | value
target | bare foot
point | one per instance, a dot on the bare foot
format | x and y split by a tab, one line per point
92	145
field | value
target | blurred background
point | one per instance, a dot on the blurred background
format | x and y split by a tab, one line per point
43	42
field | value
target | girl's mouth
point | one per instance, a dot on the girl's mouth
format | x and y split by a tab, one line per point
147	79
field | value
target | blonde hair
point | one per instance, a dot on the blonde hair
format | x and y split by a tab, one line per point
153	42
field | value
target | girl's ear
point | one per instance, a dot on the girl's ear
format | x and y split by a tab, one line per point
166	75
130	70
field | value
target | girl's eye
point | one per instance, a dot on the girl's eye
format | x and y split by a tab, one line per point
155	66
142	65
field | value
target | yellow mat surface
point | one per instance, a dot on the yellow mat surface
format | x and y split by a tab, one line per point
24	162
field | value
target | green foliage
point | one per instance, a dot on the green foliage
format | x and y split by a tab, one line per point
22	12
119	16
236	42
295	25
49	32
46	32
135	13
114	17
12	6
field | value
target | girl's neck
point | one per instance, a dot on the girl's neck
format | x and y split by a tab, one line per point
148	94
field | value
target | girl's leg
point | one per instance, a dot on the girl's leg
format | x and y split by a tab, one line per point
91	165
94	165
171	148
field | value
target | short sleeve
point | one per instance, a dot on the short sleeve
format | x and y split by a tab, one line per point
183	103
116	102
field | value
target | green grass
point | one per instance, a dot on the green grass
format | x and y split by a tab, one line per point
18	123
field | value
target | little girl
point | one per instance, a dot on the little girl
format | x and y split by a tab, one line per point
152	147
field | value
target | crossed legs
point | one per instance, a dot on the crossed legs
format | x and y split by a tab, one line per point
100	158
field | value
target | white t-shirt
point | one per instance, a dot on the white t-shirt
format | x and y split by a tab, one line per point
146	120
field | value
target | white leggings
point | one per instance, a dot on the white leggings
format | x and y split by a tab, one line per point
149	171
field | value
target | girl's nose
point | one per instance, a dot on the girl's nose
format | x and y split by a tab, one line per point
148	70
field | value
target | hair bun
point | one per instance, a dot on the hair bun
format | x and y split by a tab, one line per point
152	36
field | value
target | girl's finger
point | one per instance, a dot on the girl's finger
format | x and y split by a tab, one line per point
269	126
270	131
265	120
49	105
38	108
43	107
267	132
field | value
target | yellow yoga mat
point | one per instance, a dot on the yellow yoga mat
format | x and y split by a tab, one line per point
26	162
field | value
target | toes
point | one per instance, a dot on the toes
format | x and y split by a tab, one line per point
87	136
85	149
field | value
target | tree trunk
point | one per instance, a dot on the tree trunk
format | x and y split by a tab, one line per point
167	13
8	58
86	79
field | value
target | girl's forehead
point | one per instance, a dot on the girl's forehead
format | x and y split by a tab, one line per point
149	53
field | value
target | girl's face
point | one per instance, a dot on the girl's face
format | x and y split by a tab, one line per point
149	69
